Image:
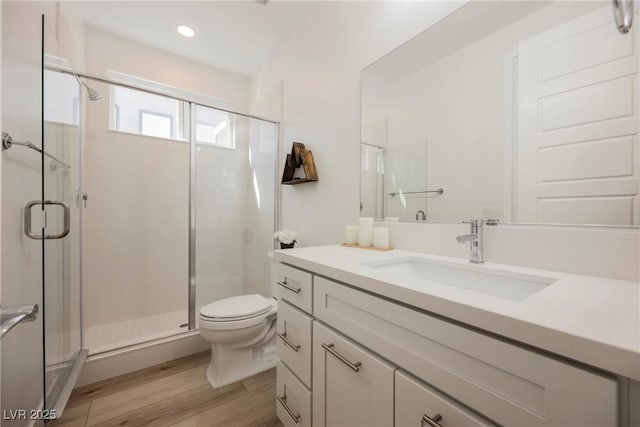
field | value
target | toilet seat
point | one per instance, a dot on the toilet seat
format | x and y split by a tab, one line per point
236	312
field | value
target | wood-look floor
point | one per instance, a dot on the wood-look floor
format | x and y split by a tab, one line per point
175	393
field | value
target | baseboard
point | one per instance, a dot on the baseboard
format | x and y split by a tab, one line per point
112	364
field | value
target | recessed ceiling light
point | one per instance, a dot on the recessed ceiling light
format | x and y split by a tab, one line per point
186	31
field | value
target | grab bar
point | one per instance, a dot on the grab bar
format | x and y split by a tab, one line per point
439	191
11	316
8	142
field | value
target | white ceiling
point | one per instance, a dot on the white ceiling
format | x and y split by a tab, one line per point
236	35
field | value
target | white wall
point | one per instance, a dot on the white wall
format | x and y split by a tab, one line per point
320	66
106	51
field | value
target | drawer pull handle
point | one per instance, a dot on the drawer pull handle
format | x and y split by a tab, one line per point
354	366
286	286
283	402
286	340
432	422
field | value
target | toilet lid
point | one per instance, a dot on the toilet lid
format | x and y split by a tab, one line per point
235	308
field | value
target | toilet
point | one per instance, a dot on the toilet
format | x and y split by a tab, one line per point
242	333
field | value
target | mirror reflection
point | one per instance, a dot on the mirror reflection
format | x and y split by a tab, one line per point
517	111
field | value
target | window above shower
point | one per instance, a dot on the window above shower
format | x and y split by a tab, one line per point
143	113
140	112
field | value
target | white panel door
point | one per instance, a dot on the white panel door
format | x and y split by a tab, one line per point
578	156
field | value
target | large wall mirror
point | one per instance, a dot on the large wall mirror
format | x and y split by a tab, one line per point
521	111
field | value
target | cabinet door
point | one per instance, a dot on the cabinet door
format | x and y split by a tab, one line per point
352	387
417	404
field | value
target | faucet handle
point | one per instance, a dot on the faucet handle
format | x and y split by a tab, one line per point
471	221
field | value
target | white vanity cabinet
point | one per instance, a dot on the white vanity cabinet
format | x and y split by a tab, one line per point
352	358
352	386
504	382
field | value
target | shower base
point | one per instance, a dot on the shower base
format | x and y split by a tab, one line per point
112	336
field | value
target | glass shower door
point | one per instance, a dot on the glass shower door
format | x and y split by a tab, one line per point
40	222
233	205
60	192
21	347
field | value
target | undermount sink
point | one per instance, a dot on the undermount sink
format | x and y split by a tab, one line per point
502	284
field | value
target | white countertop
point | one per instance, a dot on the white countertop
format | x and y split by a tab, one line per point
593	320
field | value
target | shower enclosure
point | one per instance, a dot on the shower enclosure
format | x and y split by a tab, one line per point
41	228
180	212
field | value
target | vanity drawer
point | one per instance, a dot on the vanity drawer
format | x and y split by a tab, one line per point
295	286
294	341
415	401
505	382
293	400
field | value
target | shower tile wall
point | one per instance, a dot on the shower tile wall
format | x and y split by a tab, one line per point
221	218
136	223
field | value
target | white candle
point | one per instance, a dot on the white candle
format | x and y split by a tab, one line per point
365	231
351	234
381	237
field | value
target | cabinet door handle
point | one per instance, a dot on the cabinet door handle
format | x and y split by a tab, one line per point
283	337
432	422
329	348
283	402
286	286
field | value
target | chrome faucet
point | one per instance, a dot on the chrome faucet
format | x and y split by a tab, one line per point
421	216
475	238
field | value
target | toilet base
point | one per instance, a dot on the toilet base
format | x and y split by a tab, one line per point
229	365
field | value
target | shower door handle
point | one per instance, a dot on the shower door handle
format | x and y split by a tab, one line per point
27	219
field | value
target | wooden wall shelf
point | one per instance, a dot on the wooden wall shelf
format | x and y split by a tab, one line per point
299	157
296	181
